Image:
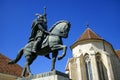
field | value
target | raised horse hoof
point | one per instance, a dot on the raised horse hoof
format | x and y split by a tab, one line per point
47	56
12	62
59	57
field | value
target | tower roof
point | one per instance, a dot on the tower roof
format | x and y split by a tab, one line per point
88	34
9	69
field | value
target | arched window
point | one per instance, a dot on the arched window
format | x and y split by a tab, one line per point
88	67
100	67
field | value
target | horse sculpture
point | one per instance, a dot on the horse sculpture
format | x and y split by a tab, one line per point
52	44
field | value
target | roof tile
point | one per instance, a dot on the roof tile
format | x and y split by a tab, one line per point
9	69
89	34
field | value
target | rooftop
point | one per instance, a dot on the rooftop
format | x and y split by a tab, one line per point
14	69
88	34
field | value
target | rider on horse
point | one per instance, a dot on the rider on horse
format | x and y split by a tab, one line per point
39	31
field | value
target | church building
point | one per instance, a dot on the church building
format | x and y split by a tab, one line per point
93	59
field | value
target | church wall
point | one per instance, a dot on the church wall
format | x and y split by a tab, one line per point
108	70
116	66
77	68
97	45
92	48
109	56
82	67
94	66
106	51
73	69
81	49
95	58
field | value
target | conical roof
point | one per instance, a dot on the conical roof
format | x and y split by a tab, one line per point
14	69
87	35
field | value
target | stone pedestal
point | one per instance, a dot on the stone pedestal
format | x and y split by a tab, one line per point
52	75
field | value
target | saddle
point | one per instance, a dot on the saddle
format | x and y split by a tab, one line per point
45	42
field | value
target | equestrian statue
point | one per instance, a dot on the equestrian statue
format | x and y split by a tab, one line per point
43	42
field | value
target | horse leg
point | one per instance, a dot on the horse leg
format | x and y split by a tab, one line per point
26	68
29	61
61	47
64	48
23	71
54	55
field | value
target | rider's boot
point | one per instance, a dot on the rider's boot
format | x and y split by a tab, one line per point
36	43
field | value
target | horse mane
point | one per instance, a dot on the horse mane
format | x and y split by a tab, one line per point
57	24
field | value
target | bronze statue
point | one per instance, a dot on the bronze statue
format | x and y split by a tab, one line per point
51	43
39	30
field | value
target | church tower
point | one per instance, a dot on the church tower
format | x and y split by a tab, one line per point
93	59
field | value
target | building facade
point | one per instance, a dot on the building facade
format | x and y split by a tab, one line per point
93	59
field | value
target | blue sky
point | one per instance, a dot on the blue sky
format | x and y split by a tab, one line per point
16	17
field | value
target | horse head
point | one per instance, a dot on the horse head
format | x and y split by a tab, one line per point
61	28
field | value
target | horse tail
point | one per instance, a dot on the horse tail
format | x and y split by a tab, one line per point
18	57
20	53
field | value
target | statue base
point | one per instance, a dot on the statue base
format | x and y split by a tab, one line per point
52	75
